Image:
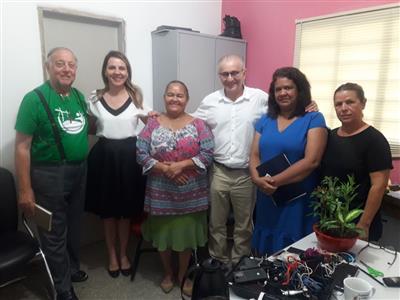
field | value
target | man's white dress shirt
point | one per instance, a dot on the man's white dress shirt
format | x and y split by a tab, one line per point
232	124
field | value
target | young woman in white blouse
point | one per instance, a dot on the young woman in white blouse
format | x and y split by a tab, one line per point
115	185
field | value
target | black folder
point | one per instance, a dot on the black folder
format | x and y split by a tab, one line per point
341	272
285	193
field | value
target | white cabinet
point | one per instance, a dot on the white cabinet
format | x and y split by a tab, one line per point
190	57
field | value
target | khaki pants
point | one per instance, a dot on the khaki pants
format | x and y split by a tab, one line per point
230	187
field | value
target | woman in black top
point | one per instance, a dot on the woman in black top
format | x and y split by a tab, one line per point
356	148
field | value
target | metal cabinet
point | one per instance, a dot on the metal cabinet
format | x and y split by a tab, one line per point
191	57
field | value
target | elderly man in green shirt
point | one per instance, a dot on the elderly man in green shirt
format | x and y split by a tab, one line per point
50	151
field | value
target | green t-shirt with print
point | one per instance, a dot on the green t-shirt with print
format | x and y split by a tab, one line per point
70	115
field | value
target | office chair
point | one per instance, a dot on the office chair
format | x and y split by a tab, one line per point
17	248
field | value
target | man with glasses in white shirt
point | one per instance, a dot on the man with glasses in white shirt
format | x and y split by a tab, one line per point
231	114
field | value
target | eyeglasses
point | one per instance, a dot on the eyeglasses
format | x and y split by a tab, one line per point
376	245
233	74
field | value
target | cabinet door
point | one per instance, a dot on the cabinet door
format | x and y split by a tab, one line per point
164	54
226	46
196	66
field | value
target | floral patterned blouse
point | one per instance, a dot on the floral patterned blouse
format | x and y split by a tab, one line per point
159	144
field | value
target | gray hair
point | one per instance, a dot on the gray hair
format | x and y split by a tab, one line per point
231	57
54	50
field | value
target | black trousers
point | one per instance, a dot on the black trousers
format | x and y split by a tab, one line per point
61	190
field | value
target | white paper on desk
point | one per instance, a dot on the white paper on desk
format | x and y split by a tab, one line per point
43	217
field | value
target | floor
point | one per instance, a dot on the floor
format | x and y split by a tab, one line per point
99	285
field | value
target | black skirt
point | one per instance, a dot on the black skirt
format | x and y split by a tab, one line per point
115	184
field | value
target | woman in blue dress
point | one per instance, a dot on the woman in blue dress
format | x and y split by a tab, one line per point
286	129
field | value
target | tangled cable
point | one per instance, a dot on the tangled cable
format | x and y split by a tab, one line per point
300	273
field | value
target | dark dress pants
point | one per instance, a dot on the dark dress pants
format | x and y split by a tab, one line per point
61	189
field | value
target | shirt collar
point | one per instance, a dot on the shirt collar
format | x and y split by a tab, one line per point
244	97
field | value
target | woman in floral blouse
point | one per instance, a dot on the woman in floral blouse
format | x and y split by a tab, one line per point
175	150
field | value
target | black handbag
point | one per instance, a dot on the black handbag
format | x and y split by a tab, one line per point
232	27
209	281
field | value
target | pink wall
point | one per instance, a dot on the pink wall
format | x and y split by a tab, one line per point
395	174
269	28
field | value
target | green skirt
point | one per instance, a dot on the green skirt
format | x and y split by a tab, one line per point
177	232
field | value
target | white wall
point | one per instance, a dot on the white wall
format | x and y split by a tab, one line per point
21	69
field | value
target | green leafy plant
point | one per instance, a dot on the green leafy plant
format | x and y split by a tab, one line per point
332	207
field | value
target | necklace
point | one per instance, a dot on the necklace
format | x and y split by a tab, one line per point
177	123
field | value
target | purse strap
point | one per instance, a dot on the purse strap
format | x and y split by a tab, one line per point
56	133
189	273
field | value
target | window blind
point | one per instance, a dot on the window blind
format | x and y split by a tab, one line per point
361	47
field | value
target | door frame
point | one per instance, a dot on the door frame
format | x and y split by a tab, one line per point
77	16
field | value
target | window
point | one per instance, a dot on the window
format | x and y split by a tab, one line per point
362	47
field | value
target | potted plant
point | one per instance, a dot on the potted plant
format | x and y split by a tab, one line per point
336	230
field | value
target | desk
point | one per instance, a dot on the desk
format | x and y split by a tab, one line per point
391	204
376	258
391	219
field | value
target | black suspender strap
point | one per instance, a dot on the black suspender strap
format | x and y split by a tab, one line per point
56	133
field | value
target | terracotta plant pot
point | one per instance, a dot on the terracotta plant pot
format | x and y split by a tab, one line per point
333	244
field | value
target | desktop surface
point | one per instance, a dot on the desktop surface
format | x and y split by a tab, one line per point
376	258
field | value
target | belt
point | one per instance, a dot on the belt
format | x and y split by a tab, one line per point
229	168
57	163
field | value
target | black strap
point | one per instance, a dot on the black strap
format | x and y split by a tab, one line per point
189	273
56	133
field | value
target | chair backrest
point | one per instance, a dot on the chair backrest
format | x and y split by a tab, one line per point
8	202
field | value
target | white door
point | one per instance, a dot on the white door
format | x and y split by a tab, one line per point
90	37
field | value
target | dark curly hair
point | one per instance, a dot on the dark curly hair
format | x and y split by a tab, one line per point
303	89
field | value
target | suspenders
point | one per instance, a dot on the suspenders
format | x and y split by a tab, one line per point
56	133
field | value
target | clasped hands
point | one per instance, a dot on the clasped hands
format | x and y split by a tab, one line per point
174	171
266	184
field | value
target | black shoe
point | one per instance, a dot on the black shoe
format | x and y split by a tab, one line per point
79	276
113	274
67	295
126	272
